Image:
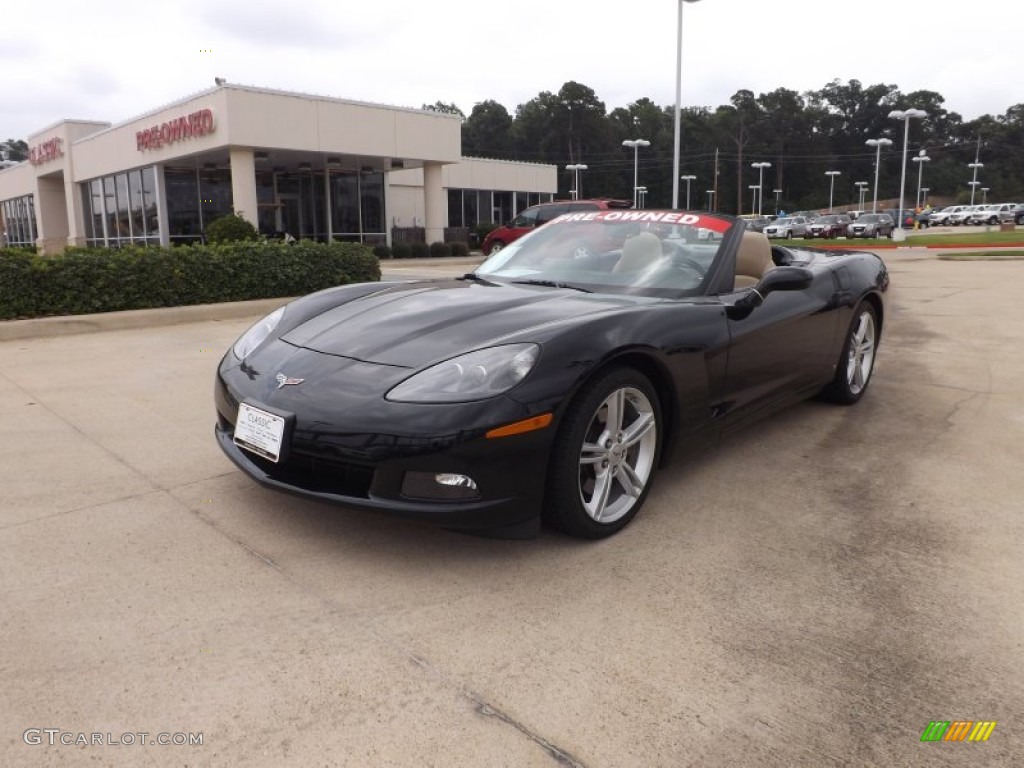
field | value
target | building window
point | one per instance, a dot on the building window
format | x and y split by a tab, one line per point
455	217
121	209
18	216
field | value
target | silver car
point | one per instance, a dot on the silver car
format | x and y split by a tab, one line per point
871	225
787	227
994	213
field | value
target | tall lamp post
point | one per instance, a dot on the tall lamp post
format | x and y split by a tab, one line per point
861	191
831	186
754	188
711	198
924	195
974	182
984	195
641	195
877	144
576	168
760	183
778	197
679	90
688	178
905	115
636	144
921	159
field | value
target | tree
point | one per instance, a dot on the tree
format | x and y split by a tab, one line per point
445	109
14	149
487	132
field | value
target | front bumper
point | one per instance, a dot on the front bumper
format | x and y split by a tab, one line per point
359	454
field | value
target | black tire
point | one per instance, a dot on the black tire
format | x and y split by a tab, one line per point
853	373
587	475
789	234
496	246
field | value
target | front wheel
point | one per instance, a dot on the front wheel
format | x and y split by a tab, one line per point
857	360
604	457
496	246
789	234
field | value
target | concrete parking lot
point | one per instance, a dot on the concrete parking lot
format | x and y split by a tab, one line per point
812	592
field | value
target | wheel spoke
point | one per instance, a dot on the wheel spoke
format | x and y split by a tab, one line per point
629	480
599	499
638	429
615	404
592	454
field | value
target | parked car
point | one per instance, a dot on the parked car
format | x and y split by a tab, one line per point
941	216
830	226
962	217
1018	213
538	215
543	385
871	225
993	213
755	223
787	227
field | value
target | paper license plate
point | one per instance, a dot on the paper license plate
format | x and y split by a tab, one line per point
259	432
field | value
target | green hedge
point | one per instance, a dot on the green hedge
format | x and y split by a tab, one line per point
85	280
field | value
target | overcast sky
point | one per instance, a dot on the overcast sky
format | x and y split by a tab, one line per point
113	59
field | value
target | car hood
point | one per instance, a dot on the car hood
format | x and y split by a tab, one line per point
414	324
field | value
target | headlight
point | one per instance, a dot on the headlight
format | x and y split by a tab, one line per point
257	334
473	376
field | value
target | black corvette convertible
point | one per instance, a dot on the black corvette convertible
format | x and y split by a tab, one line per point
555	380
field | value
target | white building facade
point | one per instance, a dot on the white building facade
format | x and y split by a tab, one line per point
307	166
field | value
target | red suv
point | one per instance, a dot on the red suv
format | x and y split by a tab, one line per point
536	215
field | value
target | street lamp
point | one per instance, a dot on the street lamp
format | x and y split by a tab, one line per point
975	165
688	178
924	195
711	198
679	90
778	197
636	144
878	144
831	186
984	195
905	115
754	188
921	159
861	190
576	168
642	195
760	182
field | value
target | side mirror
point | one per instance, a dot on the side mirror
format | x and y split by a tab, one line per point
777	279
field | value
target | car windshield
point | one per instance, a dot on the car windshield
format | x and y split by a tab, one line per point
826	220
784	220
870	217
651	253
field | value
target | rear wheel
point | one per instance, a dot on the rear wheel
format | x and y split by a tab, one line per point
605	455
496	246
857	360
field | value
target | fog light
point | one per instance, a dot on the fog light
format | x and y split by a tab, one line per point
439	486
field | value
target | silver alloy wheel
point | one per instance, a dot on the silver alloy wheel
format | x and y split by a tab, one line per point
495	247
861	357
617	456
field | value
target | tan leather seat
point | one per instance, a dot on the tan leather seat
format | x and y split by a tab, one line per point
641	251
753	259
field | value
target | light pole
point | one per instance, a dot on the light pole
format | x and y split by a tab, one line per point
831	186
576	168
861	191
974	182
636	144
974	185
754	188
688	178
877	144
984	195
679	90
642	195
760	182
905	115
921	159
778	197
711	198
924	195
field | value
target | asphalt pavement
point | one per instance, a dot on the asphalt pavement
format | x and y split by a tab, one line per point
812	592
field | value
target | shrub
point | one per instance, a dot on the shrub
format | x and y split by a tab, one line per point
84	280
401	250
382	251
439	250
459	248
230	229
419	250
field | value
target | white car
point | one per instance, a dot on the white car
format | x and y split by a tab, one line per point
994	213
788	227
963	216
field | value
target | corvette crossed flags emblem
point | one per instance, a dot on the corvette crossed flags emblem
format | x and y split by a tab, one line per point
285	381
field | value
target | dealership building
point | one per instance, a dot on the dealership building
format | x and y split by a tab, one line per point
293	164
